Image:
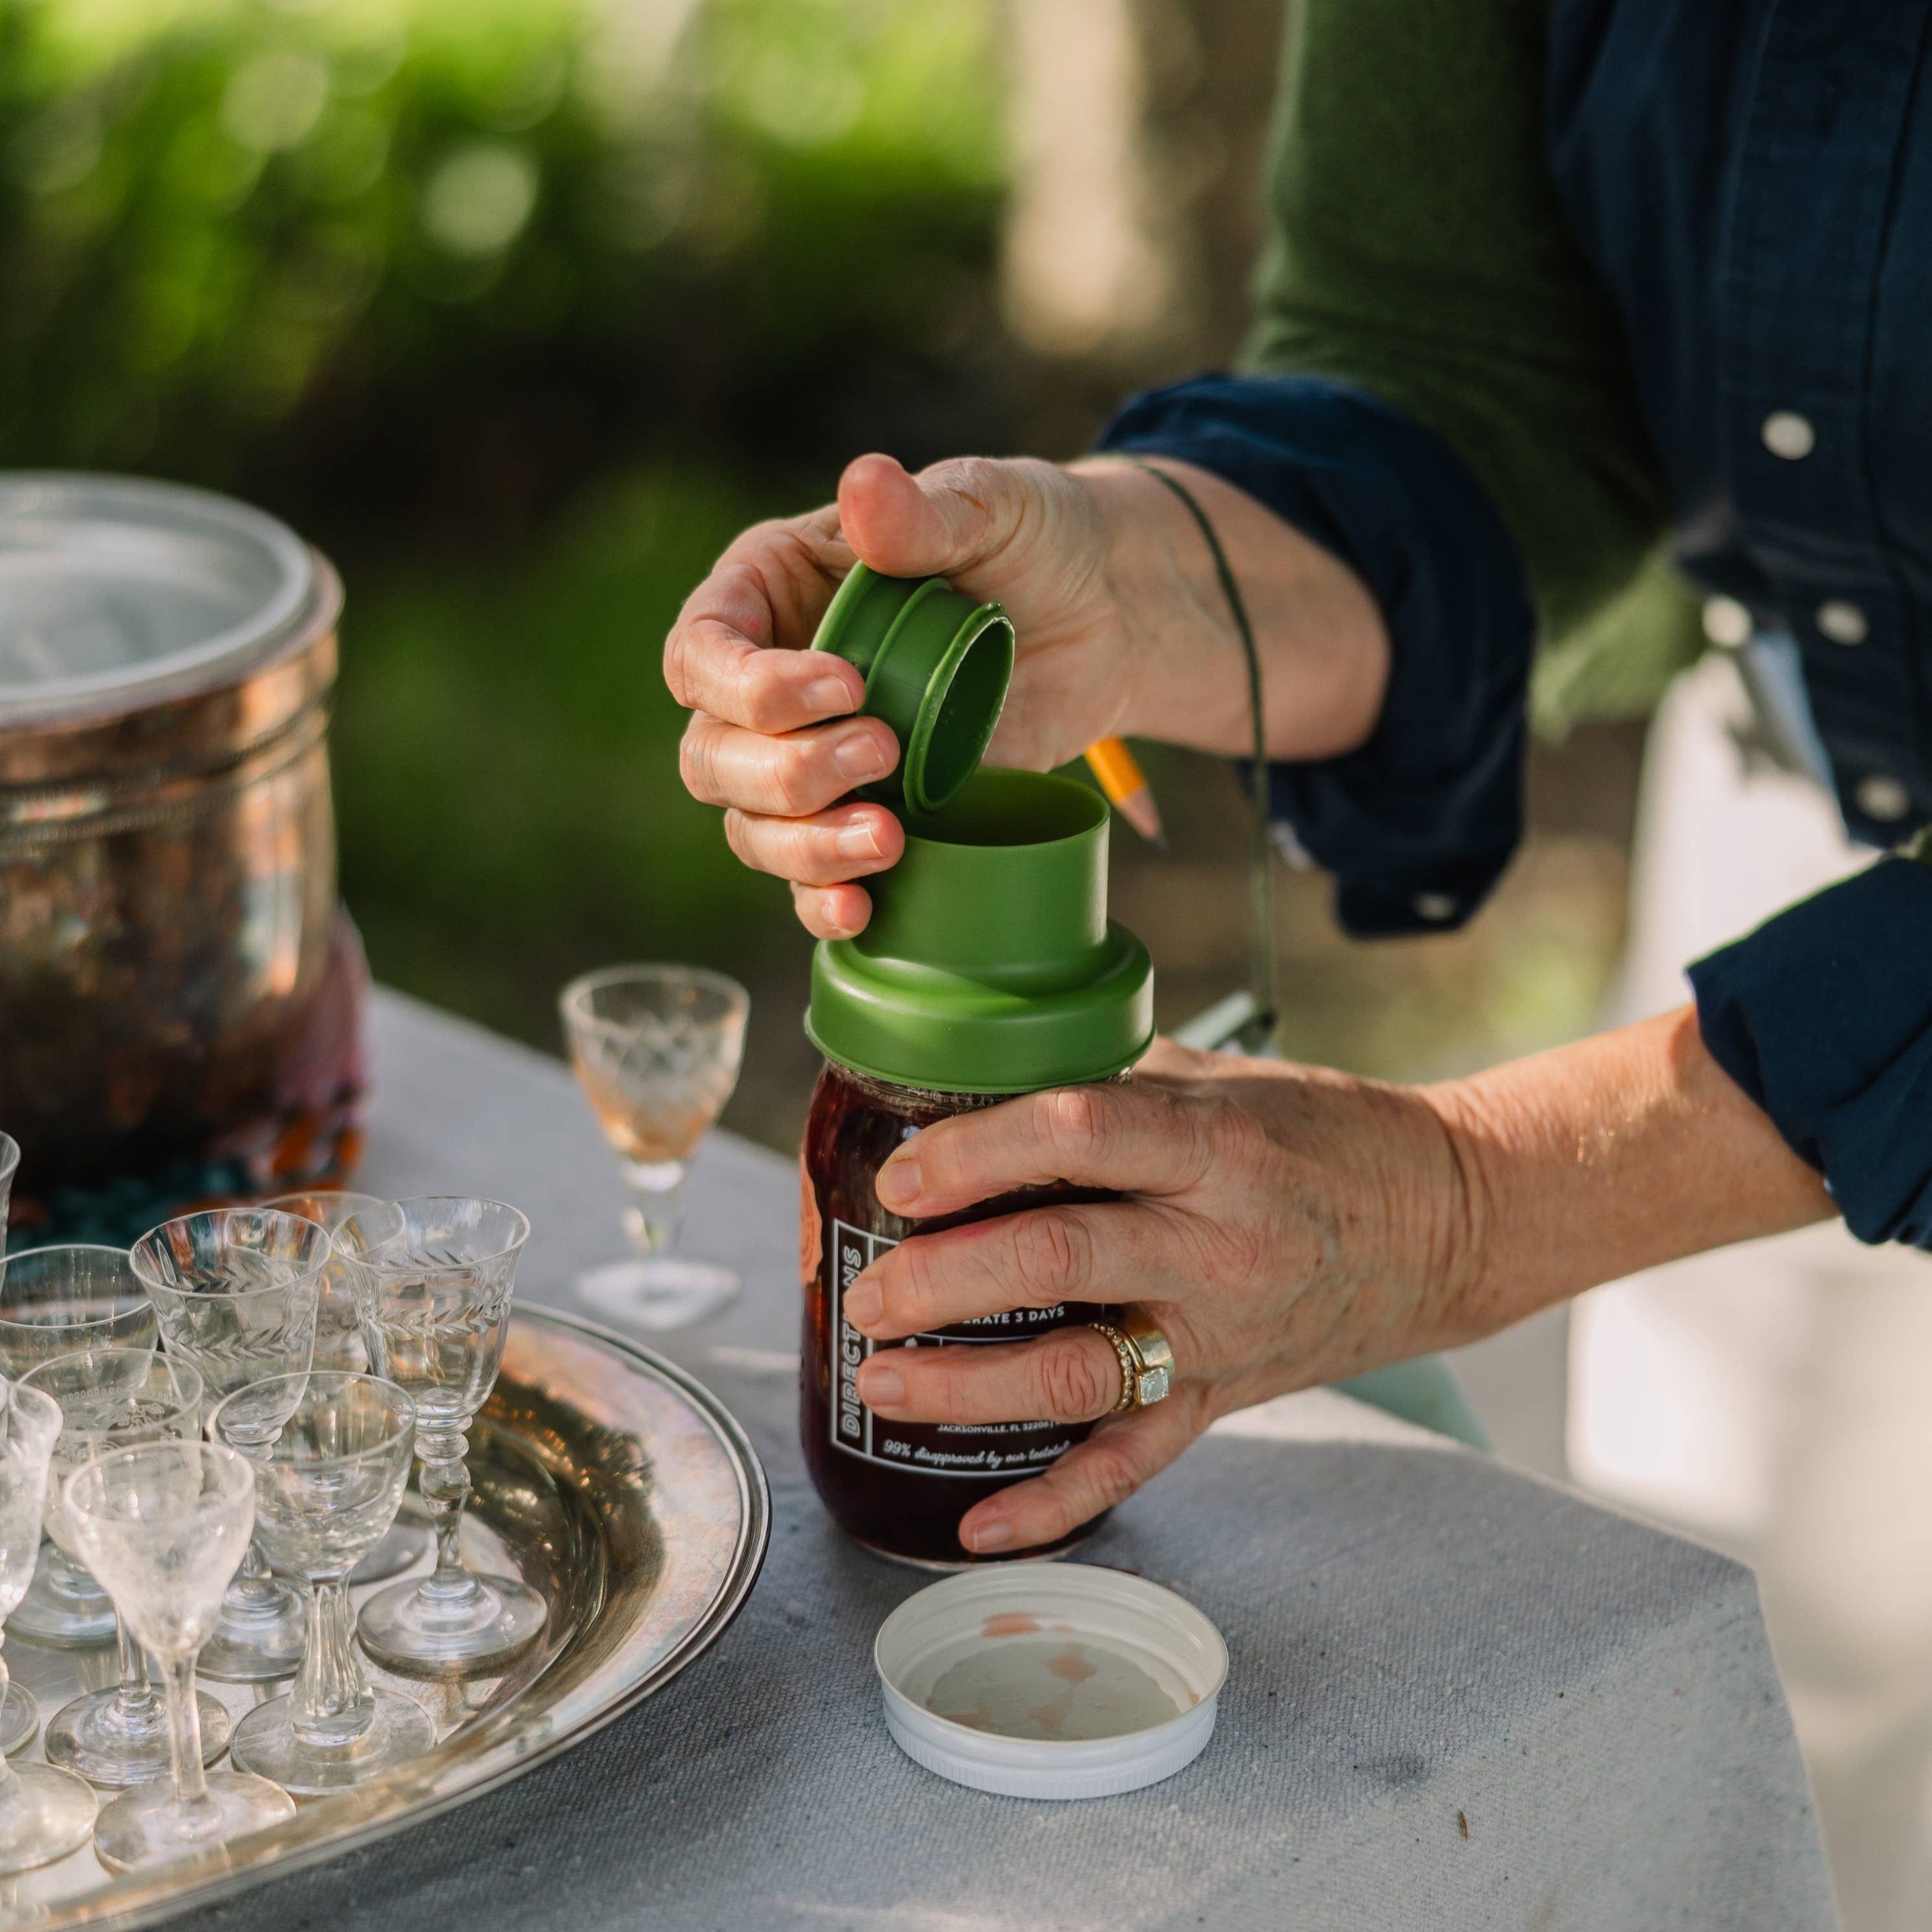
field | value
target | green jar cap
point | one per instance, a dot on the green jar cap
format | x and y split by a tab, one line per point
989	965
937	664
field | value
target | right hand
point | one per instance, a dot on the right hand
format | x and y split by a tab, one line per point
773	739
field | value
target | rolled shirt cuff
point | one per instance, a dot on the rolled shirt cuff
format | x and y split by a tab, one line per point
1823	1015
1417	824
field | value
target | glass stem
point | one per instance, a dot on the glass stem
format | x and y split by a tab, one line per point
654	1214
136	1698
10	1782
72	1582
184	1735
255	1587
444	1488
330	1702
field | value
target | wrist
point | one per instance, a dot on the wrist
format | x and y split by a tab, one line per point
1460	1294
1323	647
1439	1201
1184	679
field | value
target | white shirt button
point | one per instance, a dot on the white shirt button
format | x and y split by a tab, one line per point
1434	906
1843	622
1788	434
1727	622
1290	848
1883	797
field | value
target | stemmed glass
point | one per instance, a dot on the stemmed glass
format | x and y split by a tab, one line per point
433	1279
44	1813
331	1453
339	1345
235	1289
10	1160
113	1399
657	1050
165	1526
53	1301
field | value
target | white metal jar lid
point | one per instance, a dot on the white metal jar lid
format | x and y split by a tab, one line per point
1069	1650
116	593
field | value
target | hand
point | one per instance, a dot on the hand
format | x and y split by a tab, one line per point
1121	625
772	740
1282	1226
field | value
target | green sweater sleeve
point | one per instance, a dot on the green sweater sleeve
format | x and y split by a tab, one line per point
1419	251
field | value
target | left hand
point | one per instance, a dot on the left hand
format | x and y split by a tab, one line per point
1283	1225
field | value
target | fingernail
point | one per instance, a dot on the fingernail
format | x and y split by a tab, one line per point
993	1535
827	694
899	1183
858	841
829	912
864	1303
858	756
880	1387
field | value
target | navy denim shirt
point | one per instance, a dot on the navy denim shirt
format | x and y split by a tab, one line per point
1752	181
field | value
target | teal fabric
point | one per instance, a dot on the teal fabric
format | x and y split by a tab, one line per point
1424	1392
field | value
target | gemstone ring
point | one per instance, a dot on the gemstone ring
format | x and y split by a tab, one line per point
1147	1362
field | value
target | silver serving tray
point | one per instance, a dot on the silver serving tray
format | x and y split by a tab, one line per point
605	1477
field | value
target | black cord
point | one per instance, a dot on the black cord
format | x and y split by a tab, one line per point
1260	1029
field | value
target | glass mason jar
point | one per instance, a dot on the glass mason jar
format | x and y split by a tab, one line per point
989	969
900	1488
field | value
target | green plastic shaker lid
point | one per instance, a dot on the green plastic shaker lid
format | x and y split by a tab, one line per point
989	965
937	665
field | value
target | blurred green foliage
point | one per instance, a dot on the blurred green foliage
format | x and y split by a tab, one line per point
506	755
442	257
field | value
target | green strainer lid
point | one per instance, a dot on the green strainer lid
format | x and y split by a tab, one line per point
936	664
989	965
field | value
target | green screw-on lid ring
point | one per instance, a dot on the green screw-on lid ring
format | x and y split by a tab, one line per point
936	666
989	965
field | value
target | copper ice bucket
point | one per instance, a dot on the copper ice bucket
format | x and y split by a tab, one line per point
179	996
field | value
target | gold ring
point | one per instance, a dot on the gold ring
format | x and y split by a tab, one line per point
1147	1362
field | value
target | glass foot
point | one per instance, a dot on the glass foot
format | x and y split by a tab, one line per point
64	1606
663	1292
259	1637
150	1826
399	1731
422	1630
93	1736
47	1814
19	1719
394	1554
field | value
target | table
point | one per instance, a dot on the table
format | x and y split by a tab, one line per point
1459	1697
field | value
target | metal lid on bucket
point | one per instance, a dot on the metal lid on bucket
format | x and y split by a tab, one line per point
117	593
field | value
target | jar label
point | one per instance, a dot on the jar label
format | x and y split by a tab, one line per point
935	1448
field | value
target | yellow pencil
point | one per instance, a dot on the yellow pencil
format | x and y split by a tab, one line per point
1127	789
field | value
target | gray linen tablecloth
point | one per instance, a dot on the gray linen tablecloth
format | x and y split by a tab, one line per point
1459	1697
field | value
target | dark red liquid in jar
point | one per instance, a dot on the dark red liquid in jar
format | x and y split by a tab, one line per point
902	1487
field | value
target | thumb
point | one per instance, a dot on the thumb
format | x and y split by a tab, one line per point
956	515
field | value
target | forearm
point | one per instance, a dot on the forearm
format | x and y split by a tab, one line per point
1587	1163
1323	648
